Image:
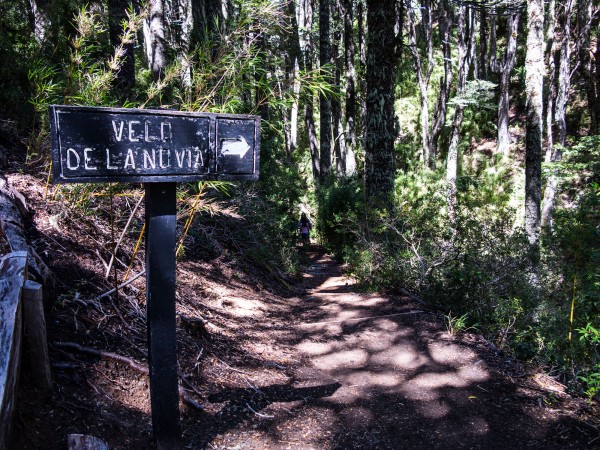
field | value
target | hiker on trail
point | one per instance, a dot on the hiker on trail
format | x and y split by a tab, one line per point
304	227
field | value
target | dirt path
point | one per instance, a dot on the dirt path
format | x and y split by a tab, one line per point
385	374
331	368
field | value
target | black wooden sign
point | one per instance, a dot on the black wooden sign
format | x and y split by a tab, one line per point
157	148
129	145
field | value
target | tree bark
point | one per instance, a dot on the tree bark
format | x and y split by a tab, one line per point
324	100
452	159
551	69
534	79
423	72
441	107
381	71
350	132
154	34
564	83
585	14
339	142
362	55
506	68
306	20
564	78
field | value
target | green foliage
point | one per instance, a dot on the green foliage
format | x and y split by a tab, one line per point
591	377
458	324
339	203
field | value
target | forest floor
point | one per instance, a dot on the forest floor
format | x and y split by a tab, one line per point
321	365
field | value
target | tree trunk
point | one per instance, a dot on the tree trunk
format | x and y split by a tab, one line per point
506	68
534	80
584	25
42	21
439	114
295	53
324	100
381	71
181	36
154	38
362	54
483	45
350	134
461	82
423	75
339	142
117	14
306	21
551	69
564	74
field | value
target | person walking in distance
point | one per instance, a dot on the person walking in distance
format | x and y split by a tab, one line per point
304	228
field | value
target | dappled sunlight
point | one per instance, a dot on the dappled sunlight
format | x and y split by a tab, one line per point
354	358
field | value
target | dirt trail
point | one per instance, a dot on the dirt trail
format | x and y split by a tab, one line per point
397	379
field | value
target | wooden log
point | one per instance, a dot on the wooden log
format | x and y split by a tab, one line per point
12	208
36	342
13	272
85	442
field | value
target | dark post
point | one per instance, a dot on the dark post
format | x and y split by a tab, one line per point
160	304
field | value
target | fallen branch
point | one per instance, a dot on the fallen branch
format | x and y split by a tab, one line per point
113	256
122	285
265	416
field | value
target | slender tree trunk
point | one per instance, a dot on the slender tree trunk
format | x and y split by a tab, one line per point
564	74
339	142
324	100
306	41
181	37
291	76
350	134
154	37
584	22
42	20
452	159
551	69
439	114
534	84
381	71
506	68
483	45
362	55
423	75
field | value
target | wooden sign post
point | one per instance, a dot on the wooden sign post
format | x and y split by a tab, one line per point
158	148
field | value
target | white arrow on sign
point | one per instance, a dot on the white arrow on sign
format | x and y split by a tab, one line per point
235	147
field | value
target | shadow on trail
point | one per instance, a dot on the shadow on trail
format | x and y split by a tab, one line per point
403	381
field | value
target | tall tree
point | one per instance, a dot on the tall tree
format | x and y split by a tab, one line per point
504	68
324	99
380	164
461	82
534	84
562	96
339	143
154	39
588	16
441	106
551	49
423	69
361	29
350	72
306	41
